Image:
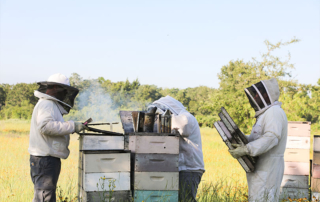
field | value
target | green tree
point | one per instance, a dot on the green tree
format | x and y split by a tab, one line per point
238	75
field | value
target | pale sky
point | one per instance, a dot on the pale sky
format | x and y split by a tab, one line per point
168	43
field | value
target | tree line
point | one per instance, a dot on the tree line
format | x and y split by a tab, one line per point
300	101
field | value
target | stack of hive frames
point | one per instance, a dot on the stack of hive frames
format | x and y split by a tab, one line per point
103	158
315	178
231	134
155	166
295	182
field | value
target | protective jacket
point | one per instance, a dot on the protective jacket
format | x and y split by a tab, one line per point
268	140
190	146
49	133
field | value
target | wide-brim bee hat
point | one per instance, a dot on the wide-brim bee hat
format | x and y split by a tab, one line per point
63	82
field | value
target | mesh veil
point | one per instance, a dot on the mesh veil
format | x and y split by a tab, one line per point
70	93
258	96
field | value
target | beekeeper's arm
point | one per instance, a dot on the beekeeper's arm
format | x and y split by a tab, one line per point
272	127
47	124
184	124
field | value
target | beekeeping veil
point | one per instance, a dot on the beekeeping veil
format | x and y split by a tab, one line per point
67	92
263	95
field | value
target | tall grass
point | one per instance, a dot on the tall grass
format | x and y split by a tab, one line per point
15	126
224	179
15	180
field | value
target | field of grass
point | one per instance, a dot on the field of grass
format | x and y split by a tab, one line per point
224	179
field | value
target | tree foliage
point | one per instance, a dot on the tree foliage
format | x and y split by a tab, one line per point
300	101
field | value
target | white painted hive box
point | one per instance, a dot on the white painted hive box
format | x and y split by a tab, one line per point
99	142
156	181
300	129
109	162
154	144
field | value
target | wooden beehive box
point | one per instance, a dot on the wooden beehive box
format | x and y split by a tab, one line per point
155	165
295	182
315	179
151	196
96	141
103	162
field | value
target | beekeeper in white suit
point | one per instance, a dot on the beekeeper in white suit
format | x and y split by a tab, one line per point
49	134
267	140
191	165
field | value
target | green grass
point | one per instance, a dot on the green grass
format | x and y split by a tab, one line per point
224	179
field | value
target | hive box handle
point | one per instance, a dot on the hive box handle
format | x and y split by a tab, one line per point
156	160
157	178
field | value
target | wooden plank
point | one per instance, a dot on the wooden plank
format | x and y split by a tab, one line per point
295	181
132	143
156	144
80	160
107	196
316	143
135	120
118	151
157	123
127	121
83	196
296	168
156	163
315	171
297	155
315	184
294	142
80	177
153	196
301	129
316	158
153	134
107	163
293	193
102	142
80	181
122	181
156	180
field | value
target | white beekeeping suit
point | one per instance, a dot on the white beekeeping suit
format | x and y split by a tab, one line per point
50	134
191	164
267	140
190	157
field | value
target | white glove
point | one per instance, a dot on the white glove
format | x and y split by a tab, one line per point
238	151
78	126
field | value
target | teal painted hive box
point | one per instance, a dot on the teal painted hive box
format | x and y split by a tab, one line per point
156	196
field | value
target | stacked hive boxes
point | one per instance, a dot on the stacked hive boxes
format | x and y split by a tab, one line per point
315	179
155	166
104	168
297	156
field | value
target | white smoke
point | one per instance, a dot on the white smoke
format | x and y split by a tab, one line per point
94	102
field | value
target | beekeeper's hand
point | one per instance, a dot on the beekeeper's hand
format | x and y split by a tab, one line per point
78	126
238	151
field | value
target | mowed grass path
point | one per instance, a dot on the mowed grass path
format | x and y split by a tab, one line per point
16	184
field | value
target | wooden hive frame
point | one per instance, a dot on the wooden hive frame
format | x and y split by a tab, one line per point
231	134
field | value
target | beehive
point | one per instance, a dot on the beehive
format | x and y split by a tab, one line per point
155	166
315	177
295	182
103	162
